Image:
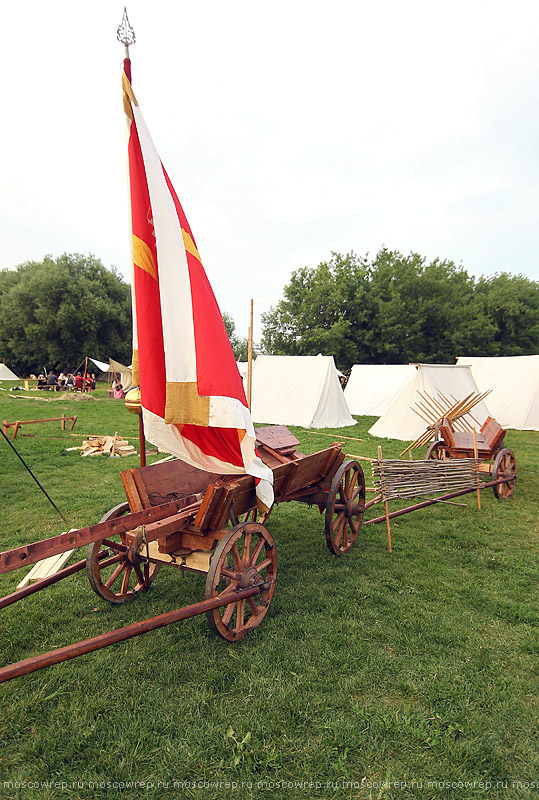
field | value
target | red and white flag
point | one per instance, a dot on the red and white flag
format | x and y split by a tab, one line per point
193	401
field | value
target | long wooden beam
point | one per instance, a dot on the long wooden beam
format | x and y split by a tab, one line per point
31	553
120	634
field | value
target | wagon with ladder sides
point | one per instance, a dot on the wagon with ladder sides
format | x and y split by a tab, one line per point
194	521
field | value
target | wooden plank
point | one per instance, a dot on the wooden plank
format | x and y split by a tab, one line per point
493	433
141	488
131	490
49	566
194	561
277	437
310	470
245	497
221	514
281	482
174	478
209	505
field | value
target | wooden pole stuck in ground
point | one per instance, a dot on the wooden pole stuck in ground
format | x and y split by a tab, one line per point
250	359
85	374
476	468
384	497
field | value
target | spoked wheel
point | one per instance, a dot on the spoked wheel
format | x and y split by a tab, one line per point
112	575
438	451
505	466
253	515
344	508
245	557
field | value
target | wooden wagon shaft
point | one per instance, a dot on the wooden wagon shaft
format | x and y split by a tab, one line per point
30	553
35	663
441	499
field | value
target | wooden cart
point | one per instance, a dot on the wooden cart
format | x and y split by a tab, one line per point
189	519
499	461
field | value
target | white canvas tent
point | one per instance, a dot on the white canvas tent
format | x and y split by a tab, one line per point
454	382
514	380
125	373
6	374
115	367
102	366
243	367
298	390
371	388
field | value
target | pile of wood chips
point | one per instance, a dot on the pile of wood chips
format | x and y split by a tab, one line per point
106	445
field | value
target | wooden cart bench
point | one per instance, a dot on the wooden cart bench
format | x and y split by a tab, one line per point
489	439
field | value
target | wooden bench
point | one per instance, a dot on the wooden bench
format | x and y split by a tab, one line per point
489	439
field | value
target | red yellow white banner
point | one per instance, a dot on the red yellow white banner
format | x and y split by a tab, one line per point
193	401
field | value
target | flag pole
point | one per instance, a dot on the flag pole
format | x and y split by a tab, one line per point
250	359
126	35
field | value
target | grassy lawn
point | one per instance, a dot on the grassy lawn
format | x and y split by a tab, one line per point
373	675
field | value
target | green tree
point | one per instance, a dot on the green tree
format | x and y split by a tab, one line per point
321	310
511	303
55	312
240	346
396	309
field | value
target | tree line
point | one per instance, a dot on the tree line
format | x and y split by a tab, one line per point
55	312
387	310
399	309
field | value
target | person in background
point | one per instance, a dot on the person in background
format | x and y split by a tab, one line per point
52	382
41	381
118	391
70	381
79	381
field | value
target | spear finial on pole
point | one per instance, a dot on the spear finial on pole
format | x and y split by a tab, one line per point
126	33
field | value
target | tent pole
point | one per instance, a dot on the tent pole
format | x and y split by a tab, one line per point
85	374
250	359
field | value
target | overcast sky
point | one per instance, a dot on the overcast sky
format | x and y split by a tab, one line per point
289	130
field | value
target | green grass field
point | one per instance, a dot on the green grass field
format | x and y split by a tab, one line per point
373	675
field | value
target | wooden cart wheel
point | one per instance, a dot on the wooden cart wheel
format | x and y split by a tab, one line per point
344	508
244	557
253	515
115	578
438	451
505	466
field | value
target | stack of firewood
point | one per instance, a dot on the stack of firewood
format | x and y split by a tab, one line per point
105	445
